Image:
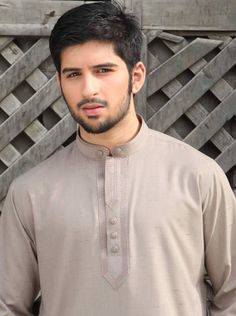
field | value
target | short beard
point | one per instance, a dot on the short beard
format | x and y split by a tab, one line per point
110	122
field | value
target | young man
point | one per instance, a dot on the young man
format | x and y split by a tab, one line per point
125	220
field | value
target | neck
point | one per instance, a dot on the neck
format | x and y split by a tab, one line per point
121	133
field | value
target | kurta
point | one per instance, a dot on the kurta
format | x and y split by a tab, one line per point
128	232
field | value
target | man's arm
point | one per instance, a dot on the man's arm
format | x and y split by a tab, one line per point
19	281
220	243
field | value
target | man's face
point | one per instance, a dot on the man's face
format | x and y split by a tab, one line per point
95	83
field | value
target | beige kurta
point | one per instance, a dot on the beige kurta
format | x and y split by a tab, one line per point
126	234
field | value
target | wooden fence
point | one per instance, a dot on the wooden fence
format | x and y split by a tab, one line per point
190	93
190	53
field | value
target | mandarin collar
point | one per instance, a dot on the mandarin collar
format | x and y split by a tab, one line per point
123	150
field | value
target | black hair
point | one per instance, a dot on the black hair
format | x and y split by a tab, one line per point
102	21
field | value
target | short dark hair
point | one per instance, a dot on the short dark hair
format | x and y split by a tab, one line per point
102	21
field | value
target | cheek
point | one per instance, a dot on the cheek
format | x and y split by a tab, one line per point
117	86
71	93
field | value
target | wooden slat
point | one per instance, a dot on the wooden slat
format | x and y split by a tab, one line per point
222	139
152	62
189	15
200	84
227	159
5	41
12	53
60	108
150	110
33	12
28	112
225	38
38	152
35	131
153	34
207	128
176	47
170	37
196	114
37	79
25	29
9	155
221	89
10	104
32	18
181	15
14	75
179	62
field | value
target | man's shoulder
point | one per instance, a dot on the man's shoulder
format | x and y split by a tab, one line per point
46	170
183	159
179	153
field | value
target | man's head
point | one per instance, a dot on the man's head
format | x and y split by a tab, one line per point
101	21
96	49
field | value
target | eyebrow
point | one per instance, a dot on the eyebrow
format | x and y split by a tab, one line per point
105	65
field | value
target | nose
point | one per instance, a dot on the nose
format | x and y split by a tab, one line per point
89	86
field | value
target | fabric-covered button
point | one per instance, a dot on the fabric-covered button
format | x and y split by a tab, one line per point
114	235
113	220
115	249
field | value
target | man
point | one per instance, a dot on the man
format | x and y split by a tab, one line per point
125	220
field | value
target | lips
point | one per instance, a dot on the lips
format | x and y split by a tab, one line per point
92	109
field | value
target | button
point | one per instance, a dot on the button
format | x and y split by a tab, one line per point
113	235
115	249
113	220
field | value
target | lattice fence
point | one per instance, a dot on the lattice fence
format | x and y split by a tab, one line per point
34	119
189	93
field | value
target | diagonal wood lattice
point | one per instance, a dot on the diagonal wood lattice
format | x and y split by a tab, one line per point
34	120
189	94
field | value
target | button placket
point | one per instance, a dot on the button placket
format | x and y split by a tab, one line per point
112	185
113	211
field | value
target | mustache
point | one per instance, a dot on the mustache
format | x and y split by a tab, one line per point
92	100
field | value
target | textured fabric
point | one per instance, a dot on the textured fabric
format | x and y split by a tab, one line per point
127	233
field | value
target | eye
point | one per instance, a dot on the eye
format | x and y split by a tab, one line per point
103	70
73	75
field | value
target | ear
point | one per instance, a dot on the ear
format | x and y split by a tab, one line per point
138	77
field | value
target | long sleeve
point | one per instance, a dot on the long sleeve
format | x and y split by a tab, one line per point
220	243
19	281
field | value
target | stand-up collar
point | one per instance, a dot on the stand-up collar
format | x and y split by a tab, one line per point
123	150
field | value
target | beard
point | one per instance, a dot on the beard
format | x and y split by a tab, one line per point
108	123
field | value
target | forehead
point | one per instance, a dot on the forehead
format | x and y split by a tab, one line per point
89	53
